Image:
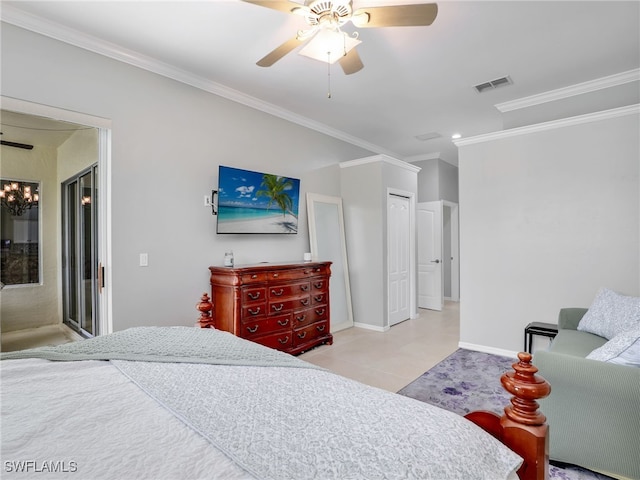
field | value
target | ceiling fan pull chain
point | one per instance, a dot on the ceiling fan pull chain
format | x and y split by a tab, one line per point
328	75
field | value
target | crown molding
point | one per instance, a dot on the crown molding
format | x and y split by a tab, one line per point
42	26
383	159
37	109
552	125
573	90
423	156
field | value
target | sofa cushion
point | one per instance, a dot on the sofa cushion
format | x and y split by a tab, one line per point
576	343
623	349
611	314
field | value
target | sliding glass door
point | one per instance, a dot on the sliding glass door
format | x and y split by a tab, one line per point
80	267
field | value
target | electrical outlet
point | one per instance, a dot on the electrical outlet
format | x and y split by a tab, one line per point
207	201
144	259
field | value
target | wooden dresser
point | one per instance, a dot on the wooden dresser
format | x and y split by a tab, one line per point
283	306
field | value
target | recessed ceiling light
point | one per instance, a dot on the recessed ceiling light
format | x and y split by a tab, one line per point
456	136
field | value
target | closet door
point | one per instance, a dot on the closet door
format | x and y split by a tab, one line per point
399	258
80	252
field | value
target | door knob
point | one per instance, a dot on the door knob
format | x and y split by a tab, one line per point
435	261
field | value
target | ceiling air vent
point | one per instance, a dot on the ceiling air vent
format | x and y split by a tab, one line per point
428	136
498	82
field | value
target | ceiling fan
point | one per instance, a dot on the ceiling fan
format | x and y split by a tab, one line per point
325	19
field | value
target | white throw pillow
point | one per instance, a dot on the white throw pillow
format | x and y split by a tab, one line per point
611	314
623	349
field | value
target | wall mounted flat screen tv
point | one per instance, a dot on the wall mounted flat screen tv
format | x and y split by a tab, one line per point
255	202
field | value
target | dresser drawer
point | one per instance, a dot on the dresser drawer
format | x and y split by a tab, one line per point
256	277
253	311
253	294
288	290
266	325
310	332
309	315
319	285
287	275
281	306
319	298
319	270
279	341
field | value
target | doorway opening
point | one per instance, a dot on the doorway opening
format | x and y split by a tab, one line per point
438	259
61	140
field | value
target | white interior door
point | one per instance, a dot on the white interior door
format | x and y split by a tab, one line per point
399	258
429	226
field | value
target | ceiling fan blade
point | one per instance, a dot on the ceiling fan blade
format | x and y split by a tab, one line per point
275	55
280	5
396	16
351	62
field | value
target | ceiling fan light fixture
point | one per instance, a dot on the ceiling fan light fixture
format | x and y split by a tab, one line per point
329	46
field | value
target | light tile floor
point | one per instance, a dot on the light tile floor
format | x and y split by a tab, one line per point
38	337
391	360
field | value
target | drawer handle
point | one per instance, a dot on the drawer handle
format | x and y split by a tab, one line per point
283	340
320	328
277	308
302	335
254	312
253	330
318	298
277	294
320	311
317	269
318	285
301	319
254	296
304	301
304	288
282	323
275	275
254	276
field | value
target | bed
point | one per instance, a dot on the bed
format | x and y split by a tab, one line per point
191	403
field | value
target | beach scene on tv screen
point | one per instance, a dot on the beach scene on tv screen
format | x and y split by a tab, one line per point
255	202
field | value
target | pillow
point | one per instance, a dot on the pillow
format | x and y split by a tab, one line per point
611	314
623	349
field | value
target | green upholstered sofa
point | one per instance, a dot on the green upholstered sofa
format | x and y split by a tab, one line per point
593	410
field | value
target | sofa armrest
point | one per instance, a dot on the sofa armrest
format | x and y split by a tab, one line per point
569	318
592	412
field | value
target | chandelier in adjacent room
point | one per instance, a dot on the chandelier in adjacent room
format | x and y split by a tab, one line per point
18	198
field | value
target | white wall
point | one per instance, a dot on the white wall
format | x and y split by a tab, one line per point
364	184
167	142
34	305
437	180
547	217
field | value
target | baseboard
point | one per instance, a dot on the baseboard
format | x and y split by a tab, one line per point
72	334
370	327
492	350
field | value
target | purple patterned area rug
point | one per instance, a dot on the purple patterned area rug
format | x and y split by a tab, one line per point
466	381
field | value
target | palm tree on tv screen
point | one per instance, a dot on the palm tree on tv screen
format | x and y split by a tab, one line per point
274	189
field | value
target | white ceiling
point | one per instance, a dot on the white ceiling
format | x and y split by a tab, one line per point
416	80
30	130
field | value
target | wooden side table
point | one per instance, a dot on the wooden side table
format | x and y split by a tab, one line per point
538	328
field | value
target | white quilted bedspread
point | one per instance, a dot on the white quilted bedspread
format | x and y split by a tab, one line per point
89	419
124	419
